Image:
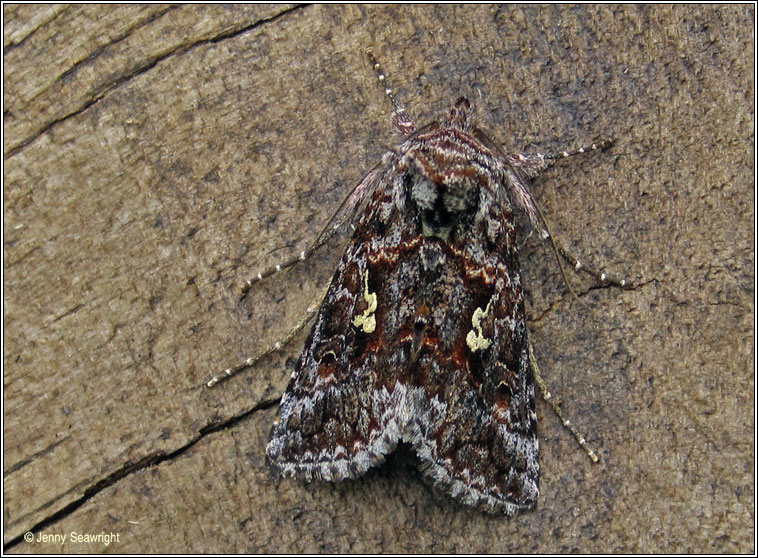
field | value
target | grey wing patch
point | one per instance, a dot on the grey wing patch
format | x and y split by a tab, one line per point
482	451
476	424
334	421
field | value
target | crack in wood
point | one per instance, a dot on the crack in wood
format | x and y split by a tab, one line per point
128	469
148	65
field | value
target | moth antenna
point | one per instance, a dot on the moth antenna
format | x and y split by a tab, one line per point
401	119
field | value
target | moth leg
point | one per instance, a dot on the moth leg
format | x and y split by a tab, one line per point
304	255
601	276
557	409
530	165
577	264
339	219
252	361
405	125
552	158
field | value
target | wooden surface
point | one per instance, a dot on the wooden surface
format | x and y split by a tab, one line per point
156	157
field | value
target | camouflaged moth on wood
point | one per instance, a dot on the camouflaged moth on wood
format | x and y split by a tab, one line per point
421	336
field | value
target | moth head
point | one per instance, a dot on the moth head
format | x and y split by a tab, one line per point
460	115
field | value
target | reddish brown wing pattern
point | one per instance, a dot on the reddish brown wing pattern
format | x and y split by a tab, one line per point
422	335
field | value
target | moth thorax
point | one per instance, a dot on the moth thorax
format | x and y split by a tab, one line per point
443	205
433	258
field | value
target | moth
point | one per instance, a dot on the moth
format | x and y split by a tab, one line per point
421	337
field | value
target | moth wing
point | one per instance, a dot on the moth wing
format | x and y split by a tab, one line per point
334	422
482	448
353	206
474	425
421	340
